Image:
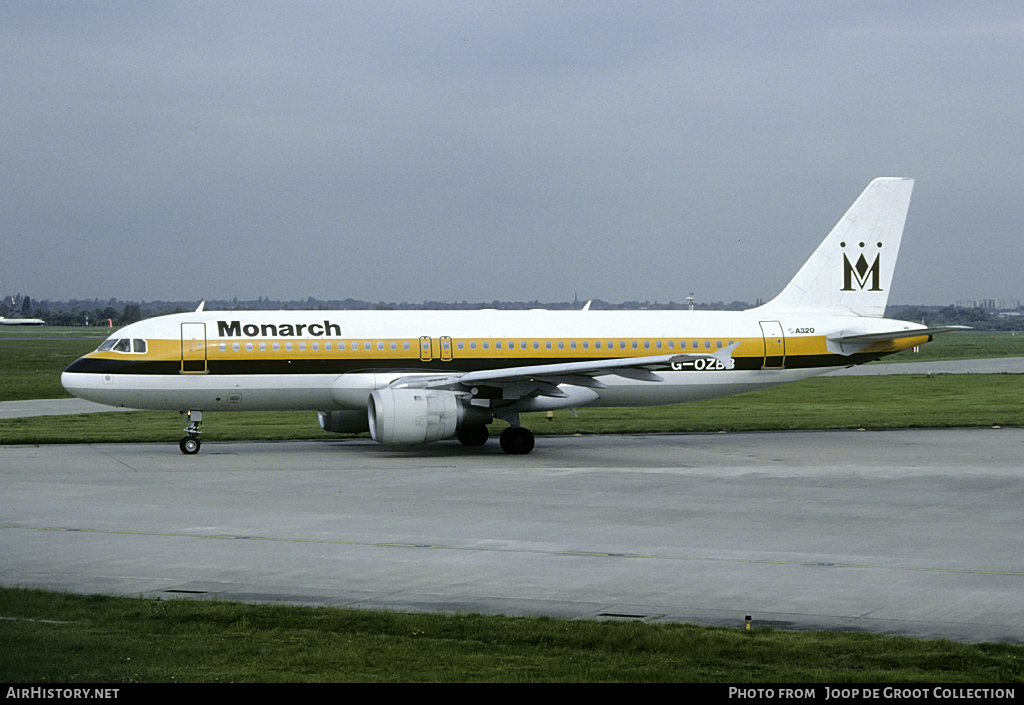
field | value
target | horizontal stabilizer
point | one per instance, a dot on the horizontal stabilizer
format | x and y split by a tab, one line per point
849	342
892	335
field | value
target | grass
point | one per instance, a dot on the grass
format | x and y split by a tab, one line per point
32	371
32	367
897	401
966	346
63	638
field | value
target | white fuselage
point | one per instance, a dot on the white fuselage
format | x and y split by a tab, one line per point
327	360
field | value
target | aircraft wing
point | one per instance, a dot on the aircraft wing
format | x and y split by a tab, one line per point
546	378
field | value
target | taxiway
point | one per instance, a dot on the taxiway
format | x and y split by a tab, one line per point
913	532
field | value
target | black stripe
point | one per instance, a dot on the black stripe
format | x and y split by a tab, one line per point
337	366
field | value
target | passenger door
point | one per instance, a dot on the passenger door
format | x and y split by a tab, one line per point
193	348
774	345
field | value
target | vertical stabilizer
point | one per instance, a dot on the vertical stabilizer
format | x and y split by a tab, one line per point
851	271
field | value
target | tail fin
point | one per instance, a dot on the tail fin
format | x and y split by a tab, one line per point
850	272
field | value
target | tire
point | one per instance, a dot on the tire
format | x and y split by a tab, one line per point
473	435
517	440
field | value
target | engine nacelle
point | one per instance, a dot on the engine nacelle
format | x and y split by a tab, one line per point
411	416
343	421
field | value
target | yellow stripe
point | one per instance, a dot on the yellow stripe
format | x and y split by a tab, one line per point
482	348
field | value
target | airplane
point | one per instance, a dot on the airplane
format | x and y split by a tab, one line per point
411	377
22	321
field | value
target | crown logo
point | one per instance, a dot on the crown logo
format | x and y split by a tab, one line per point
862	273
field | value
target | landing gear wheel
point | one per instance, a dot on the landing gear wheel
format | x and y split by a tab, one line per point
517	440
473	435
190	443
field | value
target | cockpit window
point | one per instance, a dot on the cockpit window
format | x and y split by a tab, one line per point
123	345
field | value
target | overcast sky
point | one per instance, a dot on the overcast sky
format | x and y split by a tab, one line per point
449	150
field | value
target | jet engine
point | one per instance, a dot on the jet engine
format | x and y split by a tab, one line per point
411	416
343	421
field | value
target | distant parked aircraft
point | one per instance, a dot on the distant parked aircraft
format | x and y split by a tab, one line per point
21	321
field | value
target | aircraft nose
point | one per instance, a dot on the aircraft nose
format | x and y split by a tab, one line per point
78	378
69	380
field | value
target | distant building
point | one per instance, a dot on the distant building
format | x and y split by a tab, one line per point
990	304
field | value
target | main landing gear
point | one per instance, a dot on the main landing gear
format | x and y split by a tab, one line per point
514	440
473	435
190	443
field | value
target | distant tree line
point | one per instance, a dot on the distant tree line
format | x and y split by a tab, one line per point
79	312
976	318
75	316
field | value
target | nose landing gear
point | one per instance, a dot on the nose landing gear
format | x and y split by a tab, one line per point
190	443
